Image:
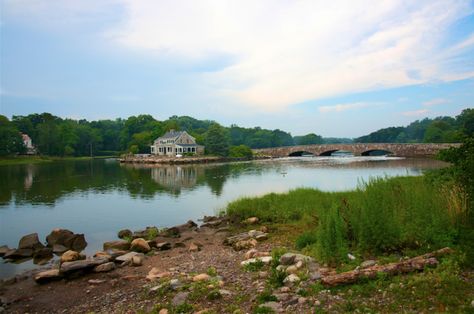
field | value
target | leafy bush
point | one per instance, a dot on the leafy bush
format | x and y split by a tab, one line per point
241	151
306	239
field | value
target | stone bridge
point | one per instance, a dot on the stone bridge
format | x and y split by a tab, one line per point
358	149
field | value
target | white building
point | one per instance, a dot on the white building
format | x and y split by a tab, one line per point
30	148
176	143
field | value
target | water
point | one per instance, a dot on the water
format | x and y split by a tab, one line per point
100	197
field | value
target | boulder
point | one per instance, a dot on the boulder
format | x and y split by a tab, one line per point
59	249
70	256
104	267
30	241
292	258
77	243
47	276
88	264
148	233
66	238
292	269
4	250
117	245
140	245
59	236
45	252
125	233
19	254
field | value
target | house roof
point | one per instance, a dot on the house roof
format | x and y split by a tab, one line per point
171	134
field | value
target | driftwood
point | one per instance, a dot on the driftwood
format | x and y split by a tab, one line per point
406	266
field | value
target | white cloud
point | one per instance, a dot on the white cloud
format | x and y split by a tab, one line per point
435	102
285	52
344	107
415	113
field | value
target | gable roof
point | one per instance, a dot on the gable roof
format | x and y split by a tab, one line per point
171	134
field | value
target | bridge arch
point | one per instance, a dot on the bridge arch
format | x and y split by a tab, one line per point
340	152
300	153
376	152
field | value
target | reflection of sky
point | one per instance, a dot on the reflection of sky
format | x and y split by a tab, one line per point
99	215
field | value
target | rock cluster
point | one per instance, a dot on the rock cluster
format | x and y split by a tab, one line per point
246	240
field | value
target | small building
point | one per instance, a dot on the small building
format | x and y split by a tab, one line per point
30	148
176	143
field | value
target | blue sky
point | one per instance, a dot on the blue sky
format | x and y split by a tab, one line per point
344	68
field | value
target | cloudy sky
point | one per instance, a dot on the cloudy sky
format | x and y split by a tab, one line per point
336	68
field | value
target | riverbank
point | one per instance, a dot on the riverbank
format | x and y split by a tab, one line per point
154	159
195	268
24	160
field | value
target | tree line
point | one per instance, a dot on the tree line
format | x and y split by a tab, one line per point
55	136
437	130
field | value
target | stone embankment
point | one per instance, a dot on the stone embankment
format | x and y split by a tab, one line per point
153	159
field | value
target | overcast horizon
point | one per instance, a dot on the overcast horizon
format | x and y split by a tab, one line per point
343	69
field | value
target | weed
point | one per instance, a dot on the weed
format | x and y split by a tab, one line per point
255	266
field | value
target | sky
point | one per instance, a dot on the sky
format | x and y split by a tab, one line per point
339	68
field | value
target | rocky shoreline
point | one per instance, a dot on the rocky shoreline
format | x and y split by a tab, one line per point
222	266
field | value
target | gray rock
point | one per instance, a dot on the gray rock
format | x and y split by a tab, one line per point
316	275
117	245
368	263
19	254
188	226
78	243
127	257
125	233
175	284
69	267
104	267
291	279
45	252
224	292
287	259
30	241
180	298
59	236
47	276
59	249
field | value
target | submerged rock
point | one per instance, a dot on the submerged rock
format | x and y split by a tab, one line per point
66	238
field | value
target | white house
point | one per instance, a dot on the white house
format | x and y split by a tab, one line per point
176	143
30	148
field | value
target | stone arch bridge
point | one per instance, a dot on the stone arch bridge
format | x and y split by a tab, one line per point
358	149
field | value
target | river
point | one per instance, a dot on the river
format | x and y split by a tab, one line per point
100	197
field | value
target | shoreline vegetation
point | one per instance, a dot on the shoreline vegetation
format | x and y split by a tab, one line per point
36	159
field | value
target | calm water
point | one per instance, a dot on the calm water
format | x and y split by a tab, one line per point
100	197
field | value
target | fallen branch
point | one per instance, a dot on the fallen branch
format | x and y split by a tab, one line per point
406	266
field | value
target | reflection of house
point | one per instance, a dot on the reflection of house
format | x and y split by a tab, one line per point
174	143
176	177
30	149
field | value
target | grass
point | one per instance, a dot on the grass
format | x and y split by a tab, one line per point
24	160
403	215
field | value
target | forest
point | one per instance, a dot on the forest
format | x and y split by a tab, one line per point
55	136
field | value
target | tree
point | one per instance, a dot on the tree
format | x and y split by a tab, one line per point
10	139
308	139
241	151
217	140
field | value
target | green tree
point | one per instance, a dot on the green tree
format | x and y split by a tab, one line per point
10	138
308	139
241	151
217	140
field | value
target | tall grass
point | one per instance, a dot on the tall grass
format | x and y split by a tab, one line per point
382	215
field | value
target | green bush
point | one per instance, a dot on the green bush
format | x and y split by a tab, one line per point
306	239
240	151
331	245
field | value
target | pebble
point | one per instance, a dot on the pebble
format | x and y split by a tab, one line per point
317	303
302	300
95	281
163	311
